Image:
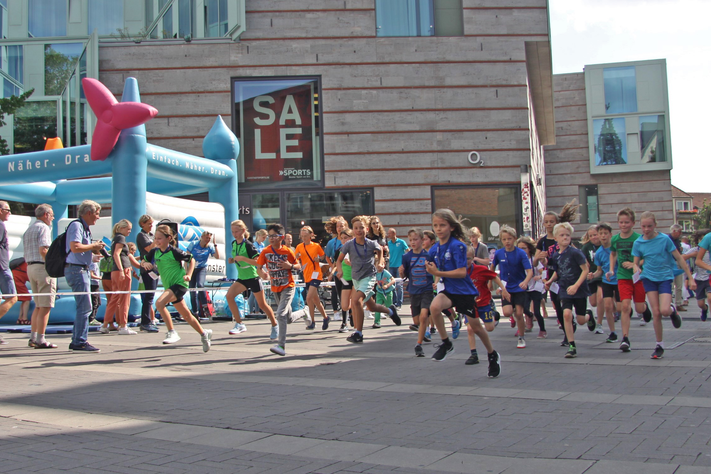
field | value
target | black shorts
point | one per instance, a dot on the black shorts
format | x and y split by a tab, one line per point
594	285
179	291
252	284
579	304
348	285
420	301
517	299
463	304
314	283
610	291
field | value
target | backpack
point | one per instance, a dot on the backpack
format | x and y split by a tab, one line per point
56	256
107	264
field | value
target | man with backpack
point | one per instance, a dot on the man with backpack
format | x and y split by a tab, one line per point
7	284
36	241
79	249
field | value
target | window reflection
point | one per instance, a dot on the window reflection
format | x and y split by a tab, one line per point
404	17
60	60
47	18
610	143
652	131
106	16
216	18
620	90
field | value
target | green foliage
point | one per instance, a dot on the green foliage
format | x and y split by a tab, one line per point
703	218
10	105
58	69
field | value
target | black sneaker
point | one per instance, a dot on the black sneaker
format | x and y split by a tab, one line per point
472	360
564	342
591	322
675	318
414	327
494	364
647	314
433	330
418	351
324	326
344	327
625	344
355	338
658	353
395	317
86	347
572	353
611	338
442	350
311	326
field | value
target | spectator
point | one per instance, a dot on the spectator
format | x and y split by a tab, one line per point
397	248
18	266
7	285
144	242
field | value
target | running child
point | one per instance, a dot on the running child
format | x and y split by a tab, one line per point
346	281
363	253
280	261
384	290
481	276
419	285
450	264
703	270
244	256
630	290
310	254
571	272
515	271
608	283
536	288
591	242
169	262
657	274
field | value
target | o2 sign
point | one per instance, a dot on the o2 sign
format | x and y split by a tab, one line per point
475	159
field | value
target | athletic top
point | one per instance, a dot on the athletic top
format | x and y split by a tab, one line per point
170	265
602	259
658	260
568	268
280	277
245	271
623	247
200	253
451	256
309	256
512	267
384	278
418	280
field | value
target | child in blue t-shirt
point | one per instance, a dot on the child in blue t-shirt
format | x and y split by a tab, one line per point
419	285
610	293
450	265
516	271
658	253
201	251
383	293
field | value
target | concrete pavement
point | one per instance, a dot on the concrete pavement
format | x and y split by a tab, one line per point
334	407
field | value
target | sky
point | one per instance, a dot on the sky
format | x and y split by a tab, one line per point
607	31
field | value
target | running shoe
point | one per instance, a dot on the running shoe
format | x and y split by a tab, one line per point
149	328
542	334
472	360
521	344
86	347
396	319
355	338
239	328
274	333
456	326
675	317
611	338
625	344
572	353
647	314
433	330
311	326
418	351
599	329
126	331
442	350
104	330
324	326
206	340
642	322
617	316
426	338
375	326
344	327
494	364
658	353
529	323
512	321
172	337
591	322
428	335
705	313
278	350
564	342
414	327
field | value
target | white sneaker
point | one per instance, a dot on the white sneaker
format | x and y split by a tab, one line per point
521	343
369	315
125	331
599	329
172	337
206	339
104	330
642	322
239	327
275	333
307	316
336	316
278	350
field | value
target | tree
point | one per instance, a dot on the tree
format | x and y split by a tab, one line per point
703	218
9	105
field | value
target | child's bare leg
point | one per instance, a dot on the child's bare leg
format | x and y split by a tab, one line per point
480	331
568	323
439	303
188	316
262	303
161	306
235	290
357	308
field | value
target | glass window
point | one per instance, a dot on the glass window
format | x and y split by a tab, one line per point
216	18
186	18
610	148
484	207
60	61
3	19
15	62
278	124
590	207
167	31
652	129
620	90
265	210
448	18
316	208
404	17
682	205
106	16
47	18
34	122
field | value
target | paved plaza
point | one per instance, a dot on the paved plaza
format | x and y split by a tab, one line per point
334	407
